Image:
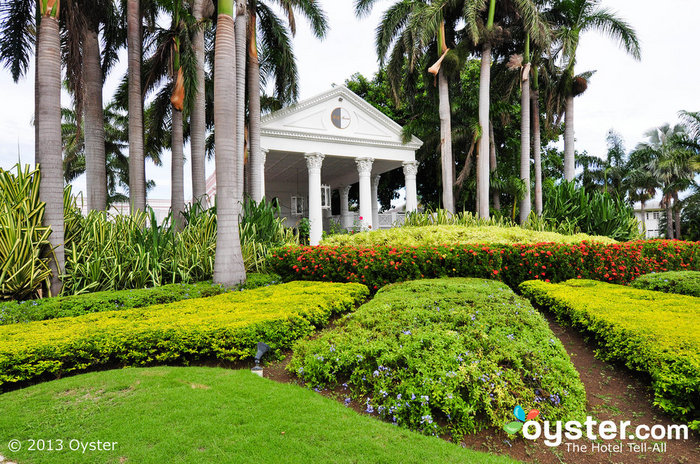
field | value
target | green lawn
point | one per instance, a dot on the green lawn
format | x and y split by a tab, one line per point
205	415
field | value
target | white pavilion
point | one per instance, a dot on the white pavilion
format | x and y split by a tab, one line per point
330	142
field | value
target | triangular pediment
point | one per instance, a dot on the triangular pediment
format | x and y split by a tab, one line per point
337	113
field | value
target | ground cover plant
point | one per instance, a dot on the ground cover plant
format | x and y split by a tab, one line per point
382	264
682	282
651	332
225	327
433	235
446	355
257	421
75	305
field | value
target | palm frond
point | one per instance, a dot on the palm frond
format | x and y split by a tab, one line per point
17	35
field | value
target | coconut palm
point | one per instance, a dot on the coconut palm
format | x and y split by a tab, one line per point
279	62
48	120
488	31
228	263
573	18
201	10
407	31
671	162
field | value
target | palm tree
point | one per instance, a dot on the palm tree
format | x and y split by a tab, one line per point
137	167
241	26
671	162
228	263
573	18
407	30
198	124
527	13
279	61
48	120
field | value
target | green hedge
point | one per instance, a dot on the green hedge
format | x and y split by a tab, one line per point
76	305
652	332
458	352
225	327
682	282
379	265
455	234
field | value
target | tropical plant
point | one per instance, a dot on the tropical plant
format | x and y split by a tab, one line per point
24	240
228	264
572	18
596	213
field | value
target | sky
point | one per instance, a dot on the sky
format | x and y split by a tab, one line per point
625	95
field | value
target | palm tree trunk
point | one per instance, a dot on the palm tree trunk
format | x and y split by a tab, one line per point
446	143
496	195
525	202
644	219
677	214
569	161
198	126
669	219
255	161
228	263
95	163
177	188
482	164
241	26
137	168
48	143
536	150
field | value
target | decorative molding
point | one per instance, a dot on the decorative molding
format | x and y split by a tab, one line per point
410	168
375	182
340	91
364	166
314	160
344	191
412	146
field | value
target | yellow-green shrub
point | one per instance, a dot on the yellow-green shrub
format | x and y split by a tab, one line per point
224	327
649	331
456	234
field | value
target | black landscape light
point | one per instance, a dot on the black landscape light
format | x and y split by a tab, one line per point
262	349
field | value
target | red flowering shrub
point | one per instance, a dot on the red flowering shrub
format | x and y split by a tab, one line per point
512	264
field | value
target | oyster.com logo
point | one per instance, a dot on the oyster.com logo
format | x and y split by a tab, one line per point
515	426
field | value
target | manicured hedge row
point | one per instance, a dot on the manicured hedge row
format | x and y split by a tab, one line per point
76	305
225	327
447	355
513	264
649	331
681	282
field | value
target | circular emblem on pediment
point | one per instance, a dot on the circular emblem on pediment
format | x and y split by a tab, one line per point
340	117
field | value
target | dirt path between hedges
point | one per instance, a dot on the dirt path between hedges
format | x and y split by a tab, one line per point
614	393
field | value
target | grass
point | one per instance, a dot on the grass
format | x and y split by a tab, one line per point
205	415
456	234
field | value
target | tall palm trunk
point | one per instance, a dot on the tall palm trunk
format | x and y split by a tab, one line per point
228	263
137	168
493	165
644	218
536	149
177	171
677	214
241	26
198	126
482	163
669	218
48	143
525	201
446	143
256	163
95	163
569	161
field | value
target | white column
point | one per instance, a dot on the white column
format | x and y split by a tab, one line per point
260	194
410	169
375	202
313	164
345	220
364	169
